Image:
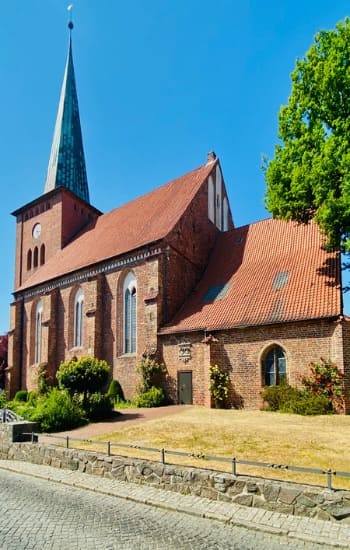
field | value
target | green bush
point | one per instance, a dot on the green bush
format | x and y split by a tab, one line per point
154	397
286	399
21	395
326	380
85	375
33	397
150	373
219	382
311	404
57	411
3	399
97	407
115	392
279	398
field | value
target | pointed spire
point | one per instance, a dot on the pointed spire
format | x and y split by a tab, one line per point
67	161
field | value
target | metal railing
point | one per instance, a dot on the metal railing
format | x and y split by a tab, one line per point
234	461
9	416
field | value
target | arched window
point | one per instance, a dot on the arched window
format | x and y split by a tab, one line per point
225	215
78	318
274	366
130	307
218	197
35	259
211	200
29	259
38	332
42	254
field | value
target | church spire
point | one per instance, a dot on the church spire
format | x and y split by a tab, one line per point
67	162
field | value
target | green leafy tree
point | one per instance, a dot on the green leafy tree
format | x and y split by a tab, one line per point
83	376
309	176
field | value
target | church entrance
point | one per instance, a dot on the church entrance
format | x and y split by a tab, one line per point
184	384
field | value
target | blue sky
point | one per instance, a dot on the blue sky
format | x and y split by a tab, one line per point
159	84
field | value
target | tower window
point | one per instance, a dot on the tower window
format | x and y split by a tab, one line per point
29	260
35	257
42	254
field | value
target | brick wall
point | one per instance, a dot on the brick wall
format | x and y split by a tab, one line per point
240	353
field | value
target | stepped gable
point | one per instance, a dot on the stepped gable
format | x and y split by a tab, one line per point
140	222
267	272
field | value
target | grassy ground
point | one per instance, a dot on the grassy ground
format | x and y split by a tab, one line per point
315	442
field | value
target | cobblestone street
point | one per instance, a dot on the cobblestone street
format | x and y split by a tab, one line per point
37	514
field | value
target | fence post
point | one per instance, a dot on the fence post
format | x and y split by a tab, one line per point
162	456
108	448
234	467
329	479
67	442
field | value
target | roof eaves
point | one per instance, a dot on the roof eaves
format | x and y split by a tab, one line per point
211	328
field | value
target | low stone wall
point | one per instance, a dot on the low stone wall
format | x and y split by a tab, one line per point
18	431
280	496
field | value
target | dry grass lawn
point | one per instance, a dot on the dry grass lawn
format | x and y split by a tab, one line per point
315	442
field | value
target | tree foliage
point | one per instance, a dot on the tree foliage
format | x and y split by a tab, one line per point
85	375
309	176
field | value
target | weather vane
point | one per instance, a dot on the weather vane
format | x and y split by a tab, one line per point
70	8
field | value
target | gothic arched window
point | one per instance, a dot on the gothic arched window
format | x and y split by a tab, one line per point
130	310
78	318
35	257
274	367
38	332
29	260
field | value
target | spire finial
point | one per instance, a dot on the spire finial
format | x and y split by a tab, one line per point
70	24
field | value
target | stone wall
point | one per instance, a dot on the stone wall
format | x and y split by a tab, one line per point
284	497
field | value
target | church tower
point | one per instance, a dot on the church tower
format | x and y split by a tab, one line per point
45	226
48	223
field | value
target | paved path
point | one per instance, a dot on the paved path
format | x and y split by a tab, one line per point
72	510
129	417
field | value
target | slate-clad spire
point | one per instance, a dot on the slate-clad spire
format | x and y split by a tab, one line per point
67	162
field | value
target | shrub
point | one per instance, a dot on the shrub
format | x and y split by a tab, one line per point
3	399
286	399
85	375
42	379
21	395
309	404
97	407
279	398
219	382
326	380
154	397
149	370
115	392
57	411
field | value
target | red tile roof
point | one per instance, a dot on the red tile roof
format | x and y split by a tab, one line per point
140	222
248	260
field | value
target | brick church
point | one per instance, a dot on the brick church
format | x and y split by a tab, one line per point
179	281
